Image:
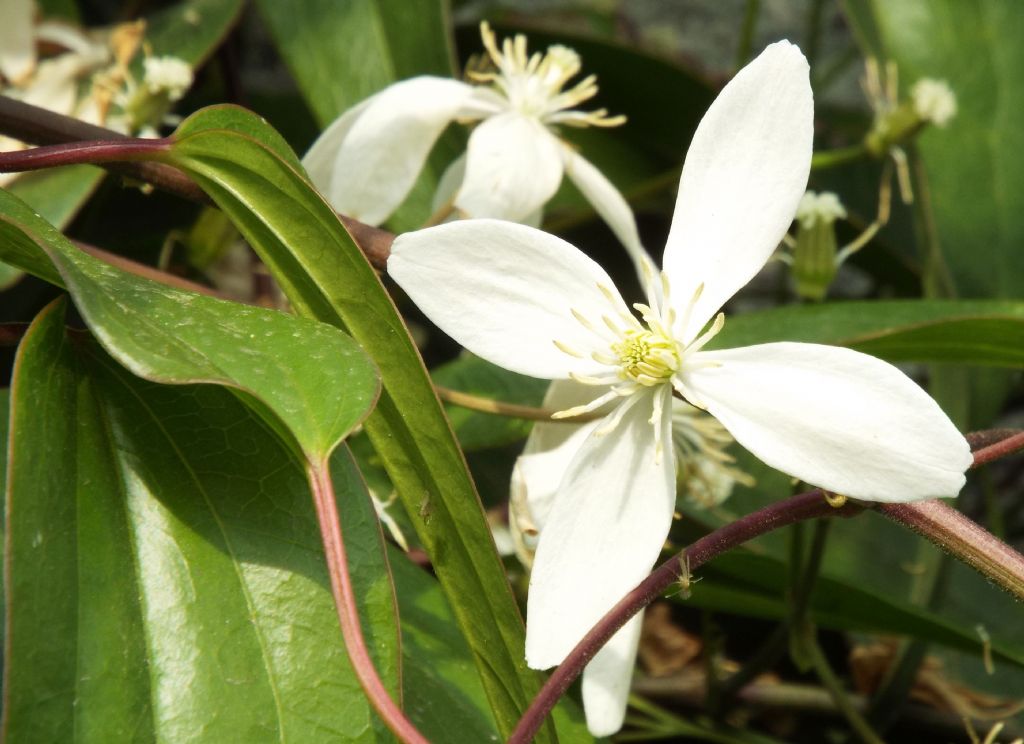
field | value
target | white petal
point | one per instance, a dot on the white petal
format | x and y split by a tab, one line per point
835	418
17	41
550	449
606	680
319	159
448	185
609	204
607	527
513	167
506	292
55	84
382	146
744	174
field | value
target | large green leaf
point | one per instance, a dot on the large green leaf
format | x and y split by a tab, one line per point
166	576
316	381
343	52
977	187
326	277
976	332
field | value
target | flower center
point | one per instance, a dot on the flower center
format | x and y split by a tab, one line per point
533	83
646	357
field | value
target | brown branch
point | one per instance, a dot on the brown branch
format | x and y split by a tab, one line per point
799	508
65	140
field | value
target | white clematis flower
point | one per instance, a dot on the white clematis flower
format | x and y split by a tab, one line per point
704	469
367	160
532	303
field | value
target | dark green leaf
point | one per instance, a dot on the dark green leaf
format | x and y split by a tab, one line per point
56	195
314	379
748	583
977	332
443	694
191	30
167	581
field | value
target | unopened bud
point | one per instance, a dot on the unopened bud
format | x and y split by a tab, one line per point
814	258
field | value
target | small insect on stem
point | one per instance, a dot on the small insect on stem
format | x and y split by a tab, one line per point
686	579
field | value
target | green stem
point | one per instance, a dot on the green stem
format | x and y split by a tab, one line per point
841	156
895	687
835	688
812	38
746	46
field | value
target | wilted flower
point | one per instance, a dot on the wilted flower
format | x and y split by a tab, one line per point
532	303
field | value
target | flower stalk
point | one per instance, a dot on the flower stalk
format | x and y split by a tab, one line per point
348	613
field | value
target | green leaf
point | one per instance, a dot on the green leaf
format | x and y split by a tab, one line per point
166	576
471	374
343	52
316	381
326	277
58	193
443	693
977	188
191	30
977	332
747	583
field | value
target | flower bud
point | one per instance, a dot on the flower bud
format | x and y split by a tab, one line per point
814	258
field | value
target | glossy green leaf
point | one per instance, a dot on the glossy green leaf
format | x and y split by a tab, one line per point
326	277
343	52
975	182
56	195
316	381
471	374
975	332
59	193
166	576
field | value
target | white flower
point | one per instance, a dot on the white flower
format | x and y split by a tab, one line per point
52	83
168	75
934	101
814	208
532	303
367	160
707	478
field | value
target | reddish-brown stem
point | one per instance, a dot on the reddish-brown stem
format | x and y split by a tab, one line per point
804	506
1012	441
61	137
95	152
963	538
348	613
933	519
